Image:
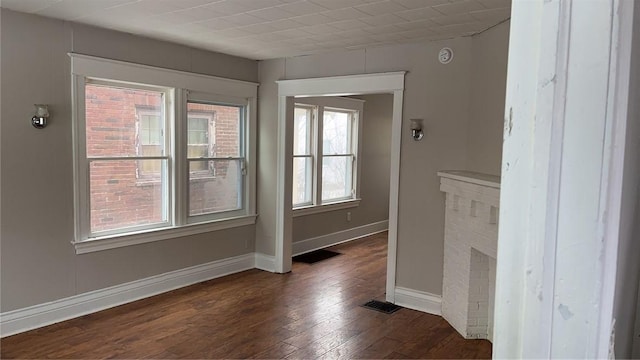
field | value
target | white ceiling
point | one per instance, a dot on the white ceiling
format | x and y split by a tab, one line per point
265	29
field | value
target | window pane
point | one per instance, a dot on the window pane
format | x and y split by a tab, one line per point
302	180
302	131
214	186
119	121
120	199
336	133
221	131
150	132
198	132
197	151
336	177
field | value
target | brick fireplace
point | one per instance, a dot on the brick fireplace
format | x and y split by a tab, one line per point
470	246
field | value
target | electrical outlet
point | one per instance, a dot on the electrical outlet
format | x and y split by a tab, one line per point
348	215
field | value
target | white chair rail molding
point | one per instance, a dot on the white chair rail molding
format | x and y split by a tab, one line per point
470	247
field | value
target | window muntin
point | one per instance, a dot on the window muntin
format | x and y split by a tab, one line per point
121	146
330	176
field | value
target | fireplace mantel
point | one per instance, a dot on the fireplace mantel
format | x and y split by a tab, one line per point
471	177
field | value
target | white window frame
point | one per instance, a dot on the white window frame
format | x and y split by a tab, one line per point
181	86
344	104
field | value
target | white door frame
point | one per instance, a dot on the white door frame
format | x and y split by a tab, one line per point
393	83
565	117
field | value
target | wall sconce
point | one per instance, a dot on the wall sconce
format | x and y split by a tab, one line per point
39	120
416	129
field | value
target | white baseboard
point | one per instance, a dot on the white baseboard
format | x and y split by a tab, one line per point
17	321
418	300
265	262
320	242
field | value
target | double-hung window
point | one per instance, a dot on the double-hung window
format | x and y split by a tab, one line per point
127	156
216	158
338	154
159	153
325	154
303	146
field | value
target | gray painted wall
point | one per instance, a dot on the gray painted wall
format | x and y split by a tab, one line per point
488	90
38	262
440	94
36	165
374	183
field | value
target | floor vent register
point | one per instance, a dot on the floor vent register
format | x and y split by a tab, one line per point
383	307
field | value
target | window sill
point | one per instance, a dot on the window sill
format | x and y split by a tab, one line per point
316	209
142	237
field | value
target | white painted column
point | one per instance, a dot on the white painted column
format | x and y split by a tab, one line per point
284	219
556	264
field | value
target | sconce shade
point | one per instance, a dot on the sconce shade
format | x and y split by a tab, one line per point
42	110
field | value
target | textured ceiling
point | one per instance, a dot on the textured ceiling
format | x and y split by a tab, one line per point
265	29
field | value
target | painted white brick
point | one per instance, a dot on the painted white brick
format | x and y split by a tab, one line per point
470	247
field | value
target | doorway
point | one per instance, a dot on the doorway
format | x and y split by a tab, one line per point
288	90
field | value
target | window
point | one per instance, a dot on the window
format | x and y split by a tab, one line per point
122	146
302	156
338	155
159	161
325	151
216	157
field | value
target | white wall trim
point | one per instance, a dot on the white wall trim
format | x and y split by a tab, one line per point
394	193
343	85
32	317
419	300
265	262
323	241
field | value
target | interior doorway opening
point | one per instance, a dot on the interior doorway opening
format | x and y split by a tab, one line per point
288	91
341	168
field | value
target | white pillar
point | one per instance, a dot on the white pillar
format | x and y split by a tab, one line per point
556	261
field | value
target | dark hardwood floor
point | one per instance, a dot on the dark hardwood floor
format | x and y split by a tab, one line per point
313	312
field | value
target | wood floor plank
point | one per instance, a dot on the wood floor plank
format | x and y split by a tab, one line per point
379	349
277	351
313	312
